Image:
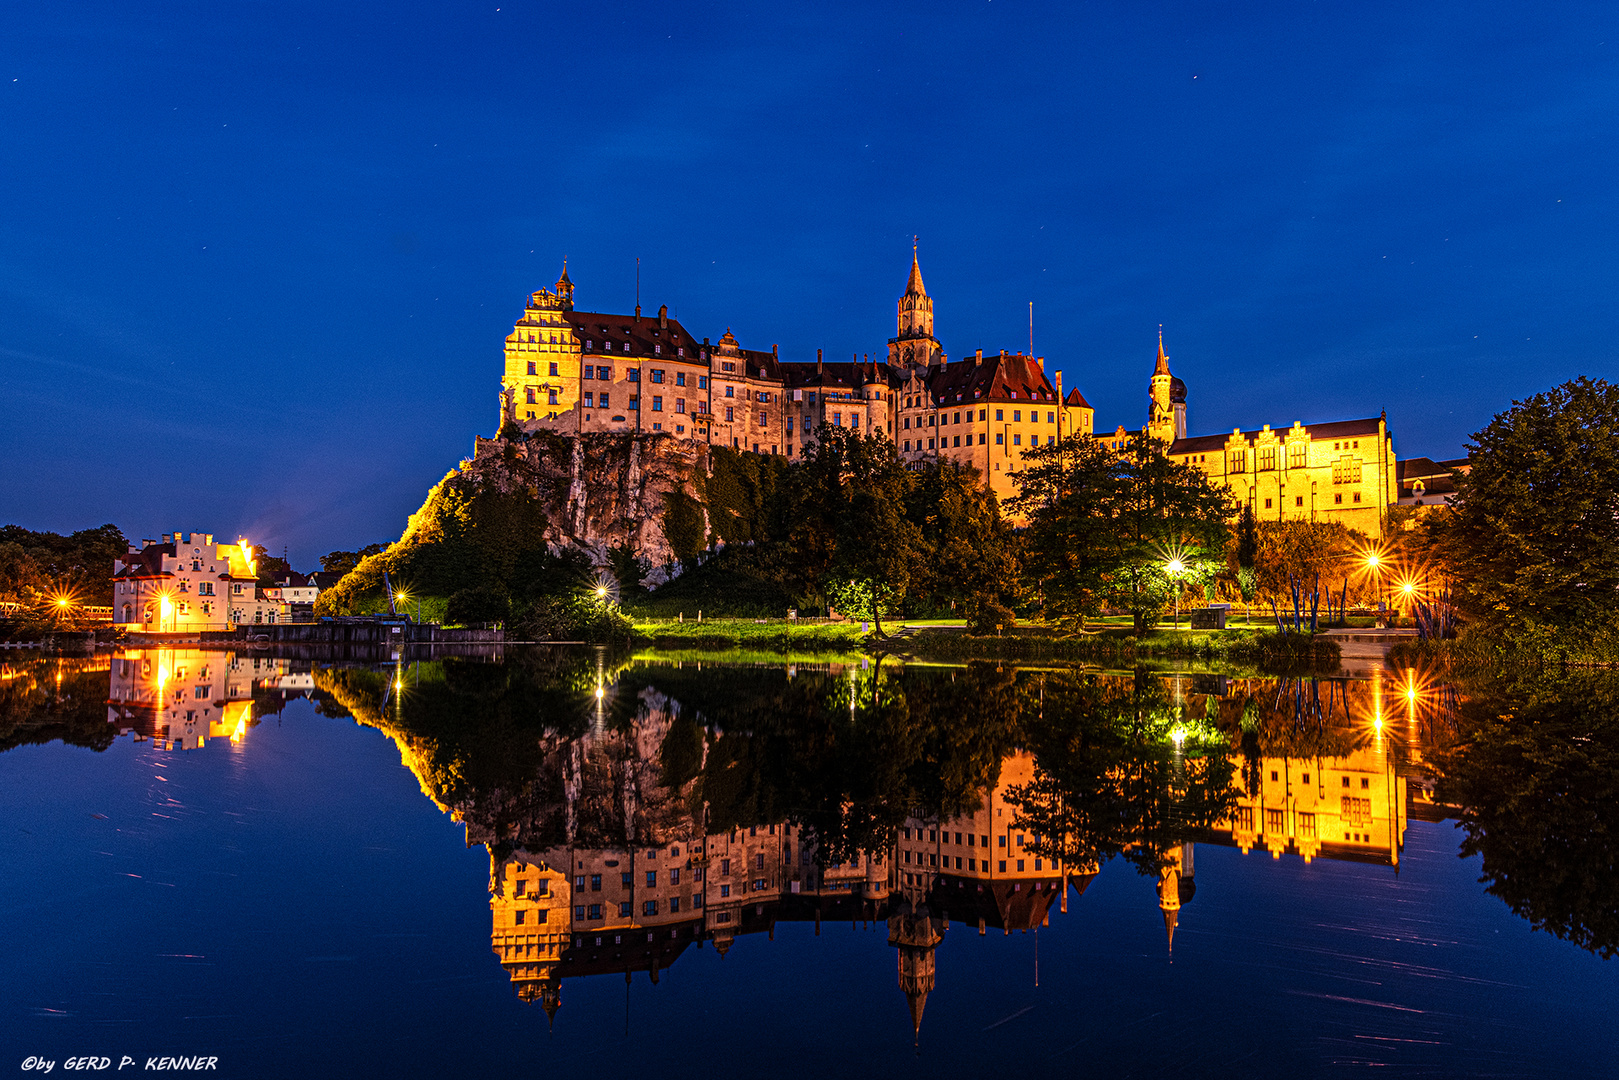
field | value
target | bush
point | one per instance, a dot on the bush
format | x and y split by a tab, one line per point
571	618
987	615
479	604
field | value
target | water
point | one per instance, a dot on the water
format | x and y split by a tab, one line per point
319	887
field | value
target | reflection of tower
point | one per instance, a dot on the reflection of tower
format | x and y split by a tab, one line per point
1176	887
915	933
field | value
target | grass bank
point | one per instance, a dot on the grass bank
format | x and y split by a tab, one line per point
777	635
1120	645
1538	646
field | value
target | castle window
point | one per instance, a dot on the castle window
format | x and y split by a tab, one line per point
957	420
552	398
730	391
1000	414
657	350
635	402
1295	456
1357	444
702	382
1051	418
1298	500
1267	504
626	346
1017	440
680	405
633	375
604	373
604	399
1000	439
930	444
554	370
1239	462
1017	416
1357	497
906	423
1051	440
531	368
680	378
727	366
681	351
907	446
587	372
1266	458
1338	498
958	440
589	403
657	403
980	439
657	375
980	414
789	425
728	414
590	345
933	420
763	419
528	398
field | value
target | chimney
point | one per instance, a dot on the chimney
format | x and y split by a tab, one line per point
978	357
637	312
663	316
772	352
819	366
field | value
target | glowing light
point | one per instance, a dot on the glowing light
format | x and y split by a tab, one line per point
598	693
1179	735
1373	561
241	729
1176	566
63	602
601	592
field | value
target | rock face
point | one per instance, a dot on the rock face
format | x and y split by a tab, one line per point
593	491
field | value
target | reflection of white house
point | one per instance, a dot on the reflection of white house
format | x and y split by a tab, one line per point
187	582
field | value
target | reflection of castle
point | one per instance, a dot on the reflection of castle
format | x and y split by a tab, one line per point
1350	807
600	864
572	910
182	697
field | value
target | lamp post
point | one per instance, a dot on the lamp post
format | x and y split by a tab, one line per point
1175	569
1374	566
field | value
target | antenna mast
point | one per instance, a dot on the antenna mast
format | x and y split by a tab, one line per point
1031	327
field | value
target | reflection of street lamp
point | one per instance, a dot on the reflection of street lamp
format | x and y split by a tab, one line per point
1175	569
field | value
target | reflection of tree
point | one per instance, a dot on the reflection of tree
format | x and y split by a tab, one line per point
1111	778
47	699
1537	776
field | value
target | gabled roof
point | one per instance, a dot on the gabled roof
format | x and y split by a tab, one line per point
147	562
836	375
1010	377
1076	400
601	330
1337	429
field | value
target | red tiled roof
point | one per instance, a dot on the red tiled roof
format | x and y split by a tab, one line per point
1075	398
607	334
1012	377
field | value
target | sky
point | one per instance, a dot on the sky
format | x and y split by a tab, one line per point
257	260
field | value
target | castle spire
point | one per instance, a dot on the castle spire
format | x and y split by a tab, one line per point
914	286
1163	357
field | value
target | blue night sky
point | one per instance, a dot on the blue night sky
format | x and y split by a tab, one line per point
257	260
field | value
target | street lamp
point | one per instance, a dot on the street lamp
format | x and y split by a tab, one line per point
1175	569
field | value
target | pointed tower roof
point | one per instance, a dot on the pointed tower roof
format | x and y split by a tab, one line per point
564	279
914	286
1163	357
1171	917
918	1001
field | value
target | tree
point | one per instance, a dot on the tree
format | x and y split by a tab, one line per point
1246	554
971	553
851	514
341	562
1105	526
1534	540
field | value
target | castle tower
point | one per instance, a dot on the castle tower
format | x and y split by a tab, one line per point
915	345
1166	409
1176	887
915	935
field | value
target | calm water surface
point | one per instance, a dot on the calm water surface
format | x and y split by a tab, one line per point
569	860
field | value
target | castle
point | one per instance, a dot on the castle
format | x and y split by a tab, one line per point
572	371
